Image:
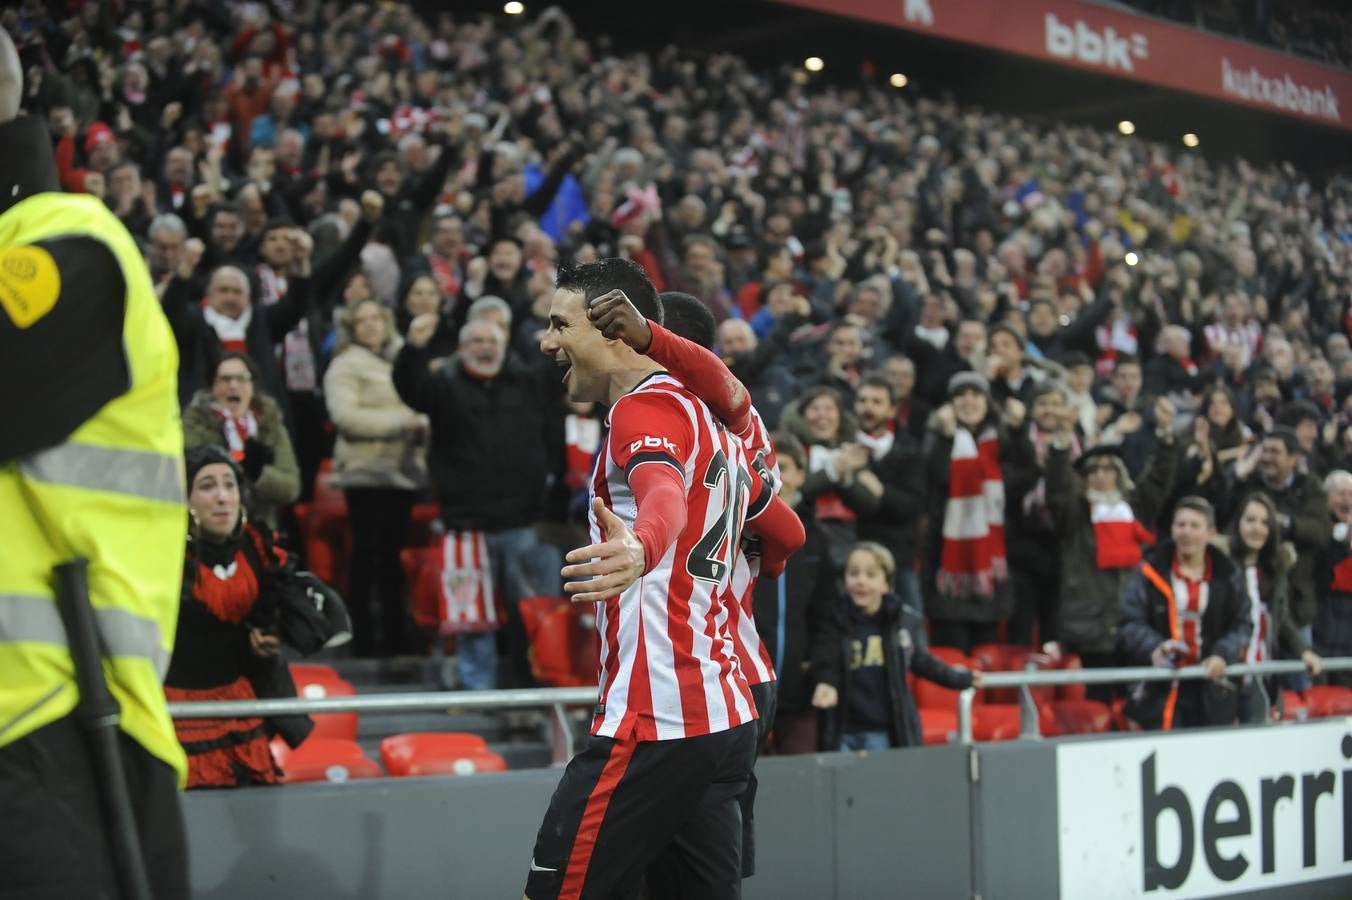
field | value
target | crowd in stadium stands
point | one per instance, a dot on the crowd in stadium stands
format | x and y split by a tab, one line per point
1027	364
1315	29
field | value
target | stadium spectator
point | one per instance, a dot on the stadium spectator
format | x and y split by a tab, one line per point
971	465
238	416
228	637
795	614
863	694
896	475
1186	604
379	461
496	434
835	461
1332	630
1272	467
1254	543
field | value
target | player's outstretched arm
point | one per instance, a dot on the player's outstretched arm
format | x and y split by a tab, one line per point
697	368
623	557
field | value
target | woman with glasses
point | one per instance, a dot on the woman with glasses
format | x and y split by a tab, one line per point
235	415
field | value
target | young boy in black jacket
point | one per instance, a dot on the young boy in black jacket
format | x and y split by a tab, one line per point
865	702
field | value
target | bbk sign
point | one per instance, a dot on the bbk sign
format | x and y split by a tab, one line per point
1207	814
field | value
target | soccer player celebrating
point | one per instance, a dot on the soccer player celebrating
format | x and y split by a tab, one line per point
673	738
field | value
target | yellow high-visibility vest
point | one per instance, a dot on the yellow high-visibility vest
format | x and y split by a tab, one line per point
111	493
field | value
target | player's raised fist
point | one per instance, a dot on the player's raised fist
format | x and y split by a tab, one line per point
618	319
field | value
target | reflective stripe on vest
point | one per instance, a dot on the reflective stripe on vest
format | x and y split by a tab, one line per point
31	619
139	473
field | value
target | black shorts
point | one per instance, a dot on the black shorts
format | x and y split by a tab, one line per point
55	846
621	803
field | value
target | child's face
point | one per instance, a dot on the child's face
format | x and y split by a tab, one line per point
865	581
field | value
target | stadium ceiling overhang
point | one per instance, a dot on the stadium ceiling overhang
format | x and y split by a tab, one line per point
1109	41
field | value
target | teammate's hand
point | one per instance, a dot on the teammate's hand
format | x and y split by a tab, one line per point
825	697
1214	666
616	318
372	205
616	562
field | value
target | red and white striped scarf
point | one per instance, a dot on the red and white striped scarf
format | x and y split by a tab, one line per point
1117	339
1118	536
1258	614
581	437
973	558
237	429
1190	602
468	601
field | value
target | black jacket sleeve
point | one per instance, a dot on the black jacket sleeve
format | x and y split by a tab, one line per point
287	312
415	385
62	305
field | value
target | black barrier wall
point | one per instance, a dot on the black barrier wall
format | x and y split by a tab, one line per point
938	822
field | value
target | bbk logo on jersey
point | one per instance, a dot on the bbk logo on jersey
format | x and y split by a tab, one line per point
652	443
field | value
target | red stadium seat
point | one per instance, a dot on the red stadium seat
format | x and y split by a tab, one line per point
1081	716
324	531
323	759
438	754
1325	700
939	726
1293	707
995	722
425	525
313	672
1069	662
932	696
321	681
564	645
991	657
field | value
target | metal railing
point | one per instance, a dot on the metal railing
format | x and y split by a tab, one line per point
556	700
1030	726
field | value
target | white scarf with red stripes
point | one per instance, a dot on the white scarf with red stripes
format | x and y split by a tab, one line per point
237	429
1118	536
468	602
973	560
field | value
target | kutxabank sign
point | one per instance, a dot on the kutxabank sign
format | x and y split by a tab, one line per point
1119	43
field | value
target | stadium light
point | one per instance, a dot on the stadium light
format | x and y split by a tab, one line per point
814	64
898	80
513	8
1131	258
1191	140
1126	126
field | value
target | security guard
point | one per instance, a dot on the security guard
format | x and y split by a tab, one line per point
90	467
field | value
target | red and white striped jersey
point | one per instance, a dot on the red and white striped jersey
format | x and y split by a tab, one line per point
751	650
669	667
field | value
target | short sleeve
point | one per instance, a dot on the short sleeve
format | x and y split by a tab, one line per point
651	427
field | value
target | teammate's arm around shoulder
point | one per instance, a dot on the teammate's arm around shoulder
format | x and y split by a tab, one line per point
778	526
699	369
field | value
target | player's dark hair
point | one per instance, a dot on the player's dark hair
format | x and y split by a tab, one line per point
591	280
688	317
